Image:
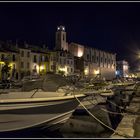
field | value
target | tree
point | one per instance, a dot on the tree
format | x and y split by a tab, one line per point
5	71
61	72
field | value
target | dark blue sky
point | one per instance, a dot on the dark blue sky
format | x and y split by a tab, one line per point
110	26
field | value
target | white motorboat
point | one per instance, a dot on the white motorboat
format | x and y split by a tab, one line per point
21	110
38	103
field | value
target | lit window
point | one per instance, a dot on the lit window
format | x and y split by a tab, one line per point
96	72
86	71
80	52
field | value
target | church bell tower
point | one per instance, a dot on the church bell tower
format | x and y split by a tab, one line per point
60	39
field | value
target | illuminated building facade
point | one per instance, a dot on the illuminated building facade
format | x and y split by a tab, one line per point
33	60
61	62
88	61
65	63
24	60
10	56
95	61
13	63
66	59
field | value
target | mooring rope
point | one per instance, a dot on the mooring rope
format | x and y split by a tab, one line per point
112	103
124	135
127	111
105	110
110	112
122	113
108	101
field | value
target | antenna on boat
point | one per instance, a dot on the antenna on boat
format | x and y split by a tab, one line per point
34	93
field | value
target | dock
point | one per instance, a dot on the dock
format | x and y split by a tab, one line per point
129	127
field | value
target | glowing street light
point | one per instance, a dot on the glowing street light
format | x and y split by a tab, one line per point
96	72
86	71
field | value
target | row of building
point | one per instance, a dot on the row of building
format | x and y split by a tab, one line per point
87	60
66	58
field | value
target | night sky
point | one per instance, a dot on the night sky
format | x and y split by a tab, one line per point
113	27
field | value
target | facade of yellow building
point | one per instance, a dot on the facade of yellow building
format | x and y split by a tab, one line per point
12	57
24	61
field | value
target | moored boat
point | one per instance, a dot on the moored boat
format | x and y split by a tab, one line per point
21	110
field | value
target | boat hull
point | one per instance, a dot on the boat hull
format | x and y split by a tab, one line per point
44	114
